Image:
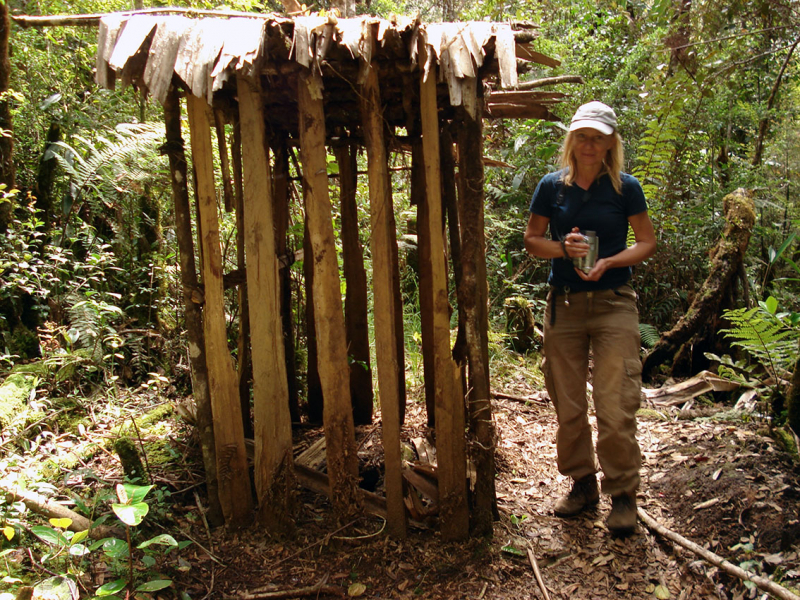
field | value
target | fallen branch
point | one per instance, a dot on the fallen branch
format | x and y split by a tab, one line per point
530	85
318	589
762	582
540	397
538	574
51	509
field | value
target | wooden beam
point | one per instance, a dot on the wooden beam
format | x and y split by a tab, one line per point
450	419
384	248
191	309
474	298
356	303
329	317
273	457
234	478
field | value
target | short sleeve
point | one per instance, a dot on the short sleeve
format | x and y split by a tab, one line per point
635	202
543	196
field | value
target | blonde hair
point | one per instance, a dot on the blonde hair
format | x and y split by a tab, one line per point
612	163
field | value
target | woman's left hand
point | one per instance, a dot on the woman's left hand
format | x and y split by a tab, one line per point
600	267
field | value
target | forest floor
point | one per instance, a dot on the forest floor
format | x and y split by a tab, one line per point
715	478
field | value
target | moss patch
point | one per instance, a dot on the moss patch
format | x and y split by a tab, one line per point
14	394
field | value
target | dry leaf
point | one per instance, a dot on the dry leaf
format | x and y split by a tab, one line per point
356	589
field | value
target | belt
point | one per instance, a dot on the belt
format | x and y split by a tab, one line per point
556	291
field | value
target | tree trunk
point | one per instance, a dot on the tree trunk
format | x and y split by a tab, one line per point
46	176
7	171
191	300
726	257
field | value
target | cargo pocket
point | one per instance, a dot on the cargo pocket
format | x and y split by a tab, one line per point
632	386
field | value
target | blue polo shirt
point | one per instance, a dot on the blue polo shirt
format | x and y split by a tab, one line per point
598	209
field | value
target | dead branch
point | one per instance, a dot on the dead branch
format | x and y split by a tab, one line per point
318	589
762	582
93	20
545	81
538	574
51	509
540	397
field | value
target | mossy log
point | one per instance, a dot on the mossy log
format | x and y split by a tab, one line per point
130	459
726	259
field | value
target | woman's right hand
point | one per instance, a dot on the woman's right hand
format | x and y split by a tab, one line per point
575	244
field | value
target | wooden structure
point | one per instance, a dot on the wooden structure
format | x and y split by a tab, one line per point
330	86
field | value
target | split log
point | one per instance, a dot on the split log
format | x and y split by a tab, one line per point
384	249
328	311
762	582
273	458
726	257
280	193
232	470
475	297
449	397
356	303
174	150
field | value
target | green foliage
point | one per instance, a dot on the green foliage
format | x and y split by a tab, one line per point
769	337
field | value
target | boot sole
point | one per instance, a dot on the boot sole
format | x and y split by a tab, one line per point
585	507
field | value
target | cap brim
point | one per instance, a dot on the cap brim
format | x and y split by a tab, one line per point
591	124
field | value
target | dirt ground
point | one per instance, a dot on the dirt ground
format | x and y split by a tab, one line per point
717	480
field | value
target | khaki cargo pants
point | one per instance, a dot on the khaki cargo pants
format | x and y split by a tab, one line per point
606	321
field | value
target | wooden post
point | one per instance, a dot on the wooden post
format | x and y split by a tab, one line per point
234	479
425	287
475	300
273	429
280	196
329	318
450	420
191	307
356	304
384	246
245	366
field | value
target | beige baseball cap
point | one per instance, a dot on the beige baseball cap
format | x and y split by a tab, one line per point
595	115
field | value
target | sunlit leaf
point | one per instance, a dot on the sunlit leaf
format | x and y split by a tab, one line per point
8	532
356	589
62	523
162	540
131	514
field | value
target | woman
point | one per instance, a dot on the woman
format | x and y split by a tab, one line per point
593	309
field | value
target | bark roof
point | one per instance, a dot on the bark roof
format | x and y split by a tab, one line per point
203	55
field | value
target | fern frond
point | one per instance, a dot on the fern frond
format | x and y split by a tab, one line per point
764	337
649	335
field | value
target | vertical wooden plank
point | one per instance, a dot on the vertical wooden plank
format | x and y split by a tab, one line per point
329	317
356	303
425	281
274	470
280	195
234	479
474	298
314	398
191	310
450	420
384	246
245	367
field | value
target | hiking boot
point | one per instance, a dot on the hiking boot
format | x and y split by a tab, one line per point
622	519
584	494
